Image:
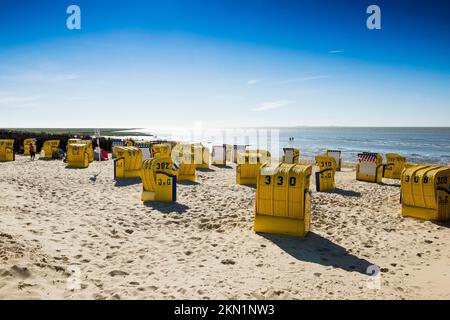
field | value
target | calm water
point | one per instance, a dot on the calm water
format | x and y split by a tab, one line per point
429	145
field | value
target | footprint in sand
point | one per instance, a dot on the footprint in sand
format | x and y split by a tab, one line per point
22	272
118	273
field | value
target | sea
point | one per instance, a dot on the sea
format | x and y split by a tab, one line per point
418	145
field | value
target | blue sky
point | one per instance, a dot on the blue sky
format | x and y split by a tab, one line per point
224	63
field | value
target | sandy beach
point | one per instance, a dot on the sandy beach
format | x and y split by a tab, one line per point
54	220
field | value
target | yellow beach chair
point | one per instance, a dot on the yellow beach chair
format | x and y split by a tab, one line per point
283	201
425	192
128	163
7	150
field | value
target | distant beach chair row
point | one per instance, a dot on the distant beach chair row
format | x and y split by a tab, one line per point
282	198
77	150
282	189
222	154
369	167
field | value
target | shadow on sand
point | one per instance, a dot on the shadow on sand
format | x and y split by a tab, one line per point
166	207
444	224
317	249
127	182
205	169
47	159
251	186
222	166
346	193
73	168
397	185
188	183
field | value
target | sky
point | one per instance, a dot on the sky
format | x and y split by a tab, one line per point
222	63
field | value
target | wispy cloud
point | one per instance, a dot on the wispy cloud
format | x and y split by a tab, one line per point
64	77
336	51
253	81
38	76
272	105
13	100
305	78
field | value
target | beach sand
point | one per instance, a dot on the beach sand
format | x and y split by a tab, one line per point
77	234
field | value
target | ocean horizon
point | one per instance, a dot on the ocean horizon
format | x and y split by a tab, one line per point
418	144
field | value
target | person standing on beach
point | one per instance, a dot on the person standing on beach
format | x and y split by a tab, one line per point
32	153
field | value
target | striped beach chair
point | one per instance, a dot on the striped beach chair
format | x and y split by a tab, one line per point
369	167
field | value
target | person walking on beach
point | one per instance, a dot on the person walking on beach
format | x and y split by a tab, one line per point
32	152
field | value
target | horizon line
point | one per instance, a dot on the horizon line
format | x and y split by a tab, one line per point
220	127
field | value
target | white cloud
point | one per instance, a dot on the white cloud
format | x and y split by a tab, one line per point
272	105
253	81
336	51
305	78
